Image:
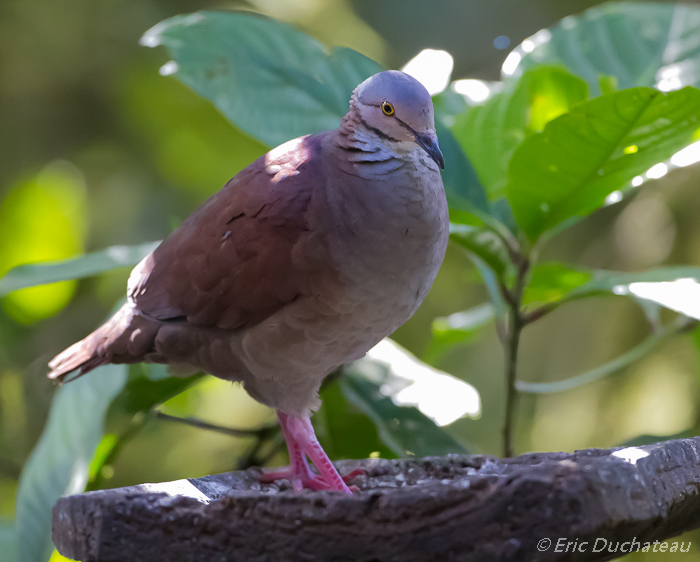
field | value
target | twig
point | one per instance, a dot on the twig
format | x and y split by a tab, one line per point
234	432
134	427
636	353
252	458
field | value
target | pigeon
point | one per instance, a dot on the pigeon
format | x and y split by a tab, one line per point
301	263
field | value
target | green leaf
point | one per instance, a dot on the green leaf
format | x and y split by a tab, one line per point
490	133
581	157
493	286
457	329
610	280
8	542
607	84
398	393
104	450
551	282
74	268
148	388
675	288
404	430
59	463
484	243
639	43
272	81
344	430
40	220
462	186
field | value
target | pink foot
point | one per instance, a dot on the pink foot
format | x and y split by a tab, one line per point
309	482
301	441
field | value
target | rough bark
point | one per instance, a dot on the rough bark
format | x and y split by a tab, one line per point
455	508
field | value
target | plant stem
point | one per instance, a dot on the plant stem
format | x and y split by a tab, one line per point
511	345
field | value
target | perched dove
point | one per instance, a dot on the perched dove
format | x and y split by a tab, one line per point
302	262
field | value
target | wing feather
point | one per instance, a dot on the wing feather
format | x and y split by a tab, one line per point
239	257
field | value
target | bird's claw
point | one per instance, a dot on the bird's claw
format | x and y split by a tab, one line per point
308	481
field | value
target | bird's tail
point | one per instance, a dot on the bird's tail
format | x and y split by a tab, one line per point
113	342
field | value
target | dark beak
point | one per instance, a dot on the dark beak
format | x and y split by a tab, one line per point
428	141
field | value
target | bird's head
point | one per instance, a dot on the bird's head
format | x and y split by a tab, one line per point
398	108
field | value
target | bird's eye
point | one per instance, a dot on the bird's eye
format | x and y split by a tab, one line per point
387	108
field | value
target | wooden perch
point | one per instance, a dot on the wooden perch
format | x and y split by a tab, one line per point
434	509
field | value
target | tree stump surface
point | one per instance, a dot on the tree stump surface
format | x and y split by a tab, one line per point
454	508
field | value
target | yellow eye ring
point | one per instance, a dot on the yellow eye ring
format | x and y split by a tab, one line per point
387	109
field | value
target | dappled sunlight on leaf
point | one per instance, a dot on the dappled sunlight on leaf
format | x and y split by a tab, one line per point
409	382
640	43
681	295
41	220
579	159
490	133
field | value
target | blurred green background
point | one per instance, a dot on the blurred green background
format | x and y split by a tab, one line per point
96	149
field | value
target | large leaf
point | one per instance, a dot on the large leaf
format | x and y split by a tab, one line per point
272	81
406	399
59	463
74	268
639	43
8	542
344	430
404	430
597	148
277	84
462	186
491	132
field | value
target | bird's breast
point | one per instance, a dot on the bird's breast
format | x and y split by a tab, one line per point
387	238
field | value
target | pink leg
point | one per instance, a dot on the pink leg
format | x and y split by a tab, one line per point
301	441
303	433
299	472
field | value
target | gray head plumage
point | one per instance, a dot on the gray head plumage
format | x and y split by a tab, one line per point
399	108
